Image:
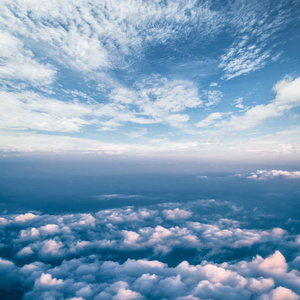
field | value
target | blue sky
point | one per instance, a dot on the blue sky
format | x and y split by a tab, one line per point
183	78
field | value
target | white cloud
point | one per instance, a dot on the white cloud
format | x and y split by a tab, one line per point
18	63
176	214
263	174
119	291
49	229
83	261
42	40
25	251
213	97
239	103
47	280
211	119
275	263
249	51
3	221
287	97
283	145
30	233
52	247
28	110
280	293
161	102
108	32
25	217
239	61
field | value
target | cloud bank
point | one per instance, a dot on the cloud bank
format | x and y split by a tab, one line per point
163	251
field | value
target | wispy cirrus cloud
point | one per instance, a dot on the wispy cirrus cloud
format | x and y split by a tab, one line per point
108	31
213	97
160	99
19	64
211	119
251	49
161	102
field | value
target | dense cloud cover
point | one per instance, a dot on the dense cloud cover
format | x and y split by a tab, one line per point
163	251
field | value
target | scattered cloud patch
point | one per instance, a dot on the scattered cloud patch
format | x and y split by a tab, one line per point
213	97
238	103
18	63
117	196
177	214
25	217
211	119
287	97
249	51
272	174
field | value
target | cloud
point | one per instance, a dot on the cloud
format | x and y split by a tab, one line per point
47	280
213	97
281	145
19	64
25	217
111	52
287	97
51	248
177	214
49	229
142	279
279	294
138	133
160	100
239	103
272	174
249	50
211	119
239	61
129	253
117	196
25	251
119	291
28	110
109	31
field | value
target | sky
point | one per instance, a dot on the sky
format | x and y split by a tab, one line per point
197	79
149	150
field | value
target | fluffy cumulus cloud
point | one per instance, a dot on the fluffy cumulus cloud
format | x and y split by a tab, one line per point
272	174
162	251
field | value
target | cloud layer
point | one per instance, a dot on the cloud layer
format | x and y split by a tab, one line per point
130	253
139	77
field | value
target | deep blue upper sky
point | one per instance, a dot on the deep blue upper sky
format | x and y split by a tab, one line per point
188	78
